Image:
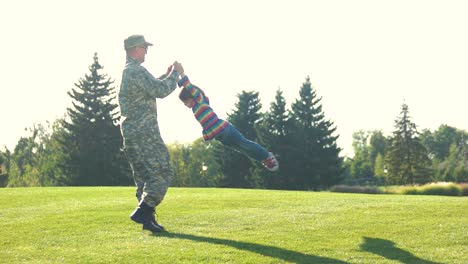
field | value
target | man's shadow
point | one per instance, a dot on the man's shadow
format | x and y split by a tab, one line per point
270	251
388	250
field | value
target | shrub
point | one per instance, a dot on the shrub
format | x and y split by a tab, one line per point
450	190
440	188
356	189
463	188
3	180
408	190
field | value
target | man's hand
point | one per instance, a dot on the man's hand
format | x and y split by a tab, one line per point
178	67
169	70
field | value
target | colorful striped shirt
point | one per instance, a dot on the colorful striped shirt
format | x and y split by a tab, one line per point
211	124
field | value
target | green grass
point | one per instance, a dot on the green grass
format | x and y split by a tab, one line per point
91	225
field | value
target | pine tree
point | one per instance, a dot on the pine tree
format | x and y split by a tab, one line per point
277	118
407	158
315	154
92	135
237	167
4	167
273	134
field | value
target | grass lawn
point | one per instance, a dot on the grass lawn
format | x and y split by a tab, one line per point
91	225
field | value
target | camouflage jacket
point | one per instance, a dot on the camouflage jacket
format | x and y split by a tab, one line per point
137	97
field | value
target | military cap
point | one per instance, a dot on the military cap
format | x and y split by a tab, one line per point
135	41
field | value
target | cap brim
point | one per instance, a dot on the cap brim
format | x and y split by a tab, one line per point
148	44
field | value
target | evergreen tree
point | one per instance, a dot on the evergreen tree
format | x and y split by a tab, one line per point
4	161
273	132
407	158
315	154
237	167
92	137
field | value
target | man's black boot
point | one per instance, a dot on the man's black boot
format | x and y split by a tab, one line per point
153	219
144	215
140	215
151	226
137	216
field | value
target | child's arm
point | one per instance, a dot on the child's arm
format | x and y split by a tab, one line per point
196	93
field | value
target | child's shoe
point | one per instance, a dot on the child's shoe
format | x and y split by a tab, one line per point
271	163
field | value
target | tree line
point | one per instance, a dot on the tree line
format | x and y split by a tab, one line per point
84	147
408	156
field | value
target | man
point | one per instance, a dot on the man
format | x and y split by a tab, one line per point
143	145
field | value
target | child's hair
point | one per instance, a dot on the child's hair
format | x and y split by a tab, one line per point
185	95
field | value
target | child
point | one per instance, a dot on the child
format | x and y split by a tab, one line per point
221	130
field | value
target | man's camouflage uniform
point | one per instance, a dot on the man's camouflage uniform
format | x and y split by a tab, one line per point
144	147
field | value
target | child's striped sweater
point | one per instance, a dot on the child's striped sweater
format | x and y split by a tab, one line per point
203	112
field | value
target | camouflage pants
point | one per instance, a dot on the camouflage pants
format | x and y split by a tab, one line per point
151	166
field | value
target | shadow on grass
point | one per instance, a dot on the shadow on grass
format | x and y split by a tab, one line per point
388	250
271	251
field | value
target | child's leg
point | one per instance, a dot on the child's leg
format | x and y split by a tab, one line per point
233	138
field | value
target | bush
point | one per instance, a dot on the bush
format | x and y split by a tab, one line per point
407	190
463	188
450	190
441	188
438	188
3	180
355	189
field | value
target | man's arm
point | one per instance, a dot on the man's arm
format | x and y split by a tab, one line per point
158	88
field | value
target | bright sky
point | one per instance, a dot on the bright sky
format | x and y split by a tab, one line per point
365	58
